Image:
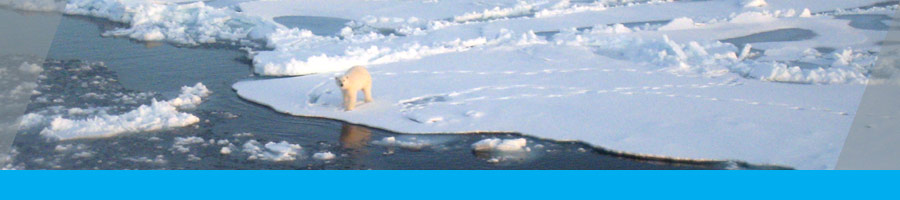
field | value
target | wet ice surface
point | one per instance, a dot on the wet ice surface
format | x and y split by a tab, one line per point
236	134
318	25
867	21
646	25
780	35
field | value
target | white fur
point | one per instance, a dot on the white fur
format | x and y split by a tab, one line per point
357	78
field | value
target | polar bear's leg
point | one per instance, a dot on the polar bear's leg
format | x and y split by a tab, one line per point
349	99
368	92
351	104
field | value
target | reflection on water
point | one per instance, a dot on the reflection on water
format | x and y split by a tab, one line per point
355	139
152	44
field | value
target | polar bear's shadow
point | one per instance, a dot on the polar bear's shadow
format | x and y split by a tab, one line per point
330	96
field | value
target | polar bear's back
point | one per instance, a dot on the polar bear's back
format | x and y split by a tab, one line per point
358	71
358	77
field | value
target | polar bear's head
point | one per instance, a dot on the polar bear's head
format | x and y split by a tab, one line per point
341	82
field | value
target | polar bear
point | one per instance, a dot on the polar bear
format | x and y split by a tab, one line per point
357	78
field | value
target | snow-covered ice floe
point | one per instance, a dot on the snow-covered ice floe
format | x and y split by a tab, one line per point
496	150
323	155
403	143
568	92
706	85
271	151
158	115
688	79
6	161
496	144
74	99
178	22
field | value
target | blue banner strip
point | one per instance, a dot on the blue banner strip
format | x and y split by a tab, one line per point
448	184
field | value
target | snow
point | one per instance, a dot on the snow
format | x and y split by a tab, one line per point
17	85
806	13
198	23
560	91
496	12
384	11
754	3
69	147
182	143
190	97
271	151
7	160
496	144
31	68
678	24
408	144
323	155
159	159
84	154
752	17
847	66
190	24
283	62
156	116
292	55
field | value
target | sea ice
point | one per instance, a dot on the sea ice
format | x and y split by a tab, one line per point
754	3
496	144
323	155
191	23
158	115
570	92
271	151
409	144
225	150
182	143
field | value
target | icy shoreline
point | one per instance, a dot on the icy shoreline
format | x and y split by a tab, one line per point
655	113
463	67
